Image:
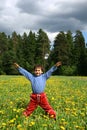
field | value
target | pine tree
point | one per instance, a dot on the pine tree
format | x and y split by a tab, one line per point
42	48
79	51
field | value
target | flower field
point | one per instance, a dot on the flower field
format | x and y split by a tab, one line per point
67	95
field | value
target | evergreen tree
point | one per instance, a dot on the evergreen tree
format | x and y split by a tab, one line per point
3	43
69	47
31	51
62	51
79	51
3	48
7	62
9	56
26	50
15	40
42	48
20	51
61	47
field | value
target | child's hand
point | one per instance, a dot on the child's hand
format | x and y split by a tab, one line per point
16	65
58	63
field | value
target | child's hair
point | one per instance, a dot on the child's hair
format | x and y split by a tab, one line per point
39	66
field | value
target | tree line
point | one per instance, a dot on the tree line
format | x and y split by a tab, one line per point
35	48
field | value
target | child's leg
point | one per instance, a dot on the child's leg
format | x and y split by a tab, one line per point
46	106
31	107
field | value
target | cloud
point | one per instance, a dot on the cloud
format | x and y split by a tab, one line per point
51	16
2	4
56	15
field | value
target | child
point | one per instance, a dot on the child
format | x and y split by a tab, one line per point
38	96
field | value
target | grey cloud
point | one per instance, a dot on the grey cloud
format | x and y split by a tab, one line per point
2	4
31	6
5	29
55	25
67	16
51	16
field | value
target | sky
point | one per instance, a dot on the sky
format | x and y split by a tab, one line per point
52	16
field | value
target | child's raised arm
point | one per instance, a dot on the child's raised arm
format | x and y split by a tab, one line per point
16	65
24	72
59	63
50	71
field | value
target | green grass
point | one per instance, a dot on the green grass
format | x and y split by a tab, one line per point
67	95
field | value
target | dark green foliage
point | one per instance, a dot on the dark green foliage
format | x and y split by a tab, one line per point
3	43
79	52
31	49
71	51
68	70
7	61
42	48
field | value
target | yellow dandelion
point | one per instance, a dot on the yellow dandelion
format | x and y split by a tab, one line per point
52	98
46	117
16	116
74	113
3	124
14	109
67	109
19	126
12	120
1	112
11	102
82	114
62	119
62	127
77	126
32	123
44	125
18	110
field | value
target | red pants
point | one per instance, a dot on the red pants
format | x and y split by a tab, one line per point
41	100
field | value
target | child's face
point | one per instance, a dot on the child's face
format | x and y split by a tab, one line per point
38	71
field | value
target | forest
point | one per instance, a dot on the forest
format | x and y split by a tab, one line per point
36	48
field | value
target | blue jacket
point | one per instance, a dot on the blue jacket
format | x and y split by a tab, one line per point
37	82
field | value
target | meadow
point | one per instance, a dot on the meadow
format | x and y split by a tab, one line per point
67	95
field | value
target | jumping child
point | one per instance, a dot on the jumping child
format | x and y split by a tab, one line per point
38	82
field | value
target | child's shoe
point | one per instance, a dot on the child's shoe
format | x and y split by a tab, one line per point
25	114
53	116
